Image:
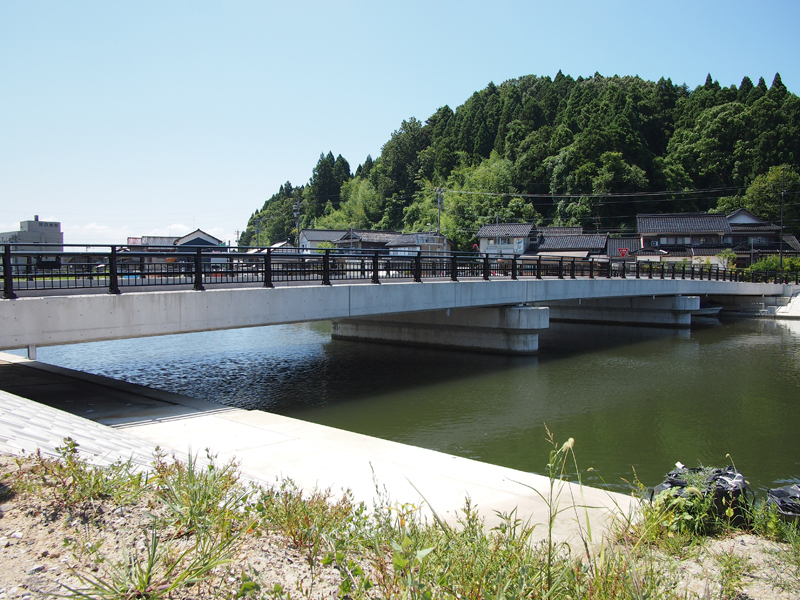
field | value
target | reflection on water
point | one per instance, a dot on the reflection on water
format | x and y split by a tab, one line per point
631	397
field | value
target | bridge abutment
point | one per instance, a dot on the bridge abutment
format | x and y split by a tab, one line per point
660	311
502	330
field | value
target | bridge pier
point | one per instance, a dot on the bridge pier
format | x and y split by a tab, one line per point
500	330
659	311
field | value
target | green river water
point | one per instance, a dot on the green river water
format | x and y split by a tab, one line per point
632	398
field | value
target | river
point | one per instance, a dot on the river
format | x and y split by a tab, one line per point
636	400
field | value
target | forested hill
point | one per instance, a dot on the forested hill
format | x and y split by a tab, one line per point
592	152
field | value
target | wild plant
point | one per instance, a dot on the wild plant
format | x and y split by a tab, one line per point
201	498
74	482
160	571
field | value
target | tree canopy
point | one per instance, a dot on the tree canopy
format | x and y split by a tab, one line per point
588	151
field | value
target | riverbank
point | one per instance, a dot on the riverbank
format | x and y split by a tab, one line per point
33	545
196	530
269	447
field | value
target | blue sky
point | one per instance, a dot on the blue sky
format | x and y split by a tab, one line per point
126	119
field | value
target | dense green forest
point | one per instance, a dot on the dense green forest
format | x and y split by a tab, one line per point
588	151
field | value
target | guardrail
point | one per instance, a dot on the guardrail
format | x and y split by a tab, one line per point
36	267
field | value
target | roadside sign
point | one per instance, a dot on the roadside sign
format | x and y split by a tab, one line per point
623	252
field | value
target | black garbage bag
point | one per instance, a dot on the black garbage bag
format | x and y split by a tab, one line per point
786	500
731	495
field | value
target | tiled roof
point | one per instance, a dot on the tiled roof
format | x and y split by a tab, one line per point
707	250
323	235
683	223
368	235
792	242
589	241
754	227
552	230
415	239
614	244
514	230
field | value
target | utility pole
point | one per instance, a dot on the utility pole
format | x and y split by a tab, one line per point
439	204
296	213
783	198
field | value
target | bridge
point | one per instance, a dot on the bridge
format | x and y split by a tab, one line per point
461	300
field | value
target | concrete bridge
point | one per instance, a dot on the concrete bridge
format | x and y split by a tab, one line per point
500	315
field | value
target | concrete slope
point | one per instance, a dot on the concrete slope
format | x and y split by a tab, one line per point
269	447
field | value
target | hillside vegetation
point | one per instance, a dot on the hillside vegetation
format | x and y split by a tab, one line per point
588	151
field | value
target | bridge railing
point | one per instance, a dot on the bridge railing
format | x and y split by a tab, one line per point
39	267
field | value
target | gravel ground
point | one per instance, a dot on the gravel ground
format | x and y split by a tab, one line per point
43	552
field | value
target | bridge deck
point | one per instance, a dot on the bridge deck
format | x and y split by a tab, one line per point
65	319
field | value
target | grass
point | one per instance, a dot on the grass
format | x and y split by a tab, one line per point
202	516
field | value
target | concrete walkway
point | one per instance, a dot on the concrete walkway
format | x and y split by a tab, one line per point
42	404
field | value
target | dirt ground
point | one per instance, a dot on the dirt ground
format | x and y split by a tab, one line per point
42	553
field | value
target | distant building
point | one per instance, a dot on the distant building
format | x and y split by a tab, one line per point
427	242
153	240
366	239
700	237
506	239
577	245
312	238
35	232
753	239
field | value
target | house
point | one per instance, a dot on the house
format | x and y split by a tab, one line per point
153	240
753	239
678	237
623	247
366	239
312	238
506	239
701	237
582	245
427	242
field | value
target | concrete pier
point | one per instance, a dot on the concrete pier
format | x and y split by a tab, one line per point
659	311
42	404
501	330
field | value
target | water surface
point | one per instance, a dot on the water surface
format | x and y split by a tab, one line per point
633	398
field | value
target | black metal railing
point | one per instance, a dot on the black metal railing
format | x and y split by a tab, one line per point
39	267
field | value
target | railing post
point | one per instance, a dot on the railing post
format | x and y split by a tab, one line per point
608	273
717	270
672	269
591	268
514	267
486	267
561	267
418	267
113	276
453	268
198	271
637	269
268	269
701	273
8	275
375	278
572	269
326	267
623	270
538	267
650	271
